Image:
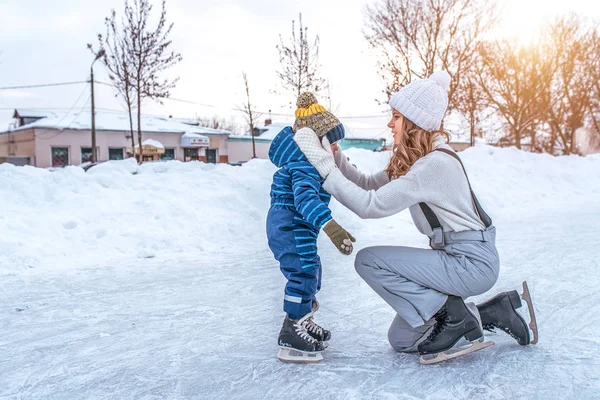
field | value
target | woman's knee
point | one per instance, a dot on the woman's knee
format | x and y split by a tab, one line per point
401	340
403	337
364	261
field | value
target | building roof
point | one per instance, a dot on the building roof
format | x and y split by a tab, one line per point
109	121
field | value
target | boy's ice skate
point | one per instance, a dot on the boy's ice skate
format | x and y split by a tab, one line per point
319	333
500	312
296	344
454	322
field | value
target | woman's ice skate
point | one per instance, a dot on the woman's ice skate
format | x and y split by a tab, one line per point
296	343
501	312
454	322
462	348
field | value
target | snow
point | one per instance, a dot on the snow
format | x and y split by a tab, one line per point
114	121
194	135
156	281
153	143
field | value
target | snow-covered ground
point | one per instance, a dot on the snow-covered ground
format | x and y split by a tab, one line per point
159	284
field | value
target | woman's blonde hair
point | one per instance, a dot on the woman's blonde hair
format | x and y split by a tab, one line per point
415	143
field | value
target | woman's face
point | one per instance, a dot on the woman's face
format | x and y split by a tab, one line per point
396	124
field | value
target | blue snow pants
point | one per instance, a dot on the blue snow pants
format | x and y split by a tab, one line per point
294	244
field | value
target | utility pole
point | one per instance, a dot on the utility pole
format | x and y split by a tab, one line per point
94	152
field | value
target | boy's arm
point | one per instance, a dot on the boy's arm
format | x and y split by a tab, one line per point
306	184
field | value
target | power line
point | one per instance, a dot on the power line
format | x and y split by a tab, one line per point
170	98
42	85
261	112
68	112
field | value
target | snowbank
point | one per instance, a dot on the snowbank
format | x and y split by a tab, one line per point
119	210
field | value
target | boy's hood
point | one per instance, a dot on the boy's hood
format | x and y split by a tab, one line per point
284	150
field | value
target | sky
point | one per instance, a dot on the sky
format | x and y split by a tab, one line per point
45	42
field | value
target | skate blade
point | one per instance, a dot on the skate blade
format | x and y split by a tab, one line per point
526	295
299	357
453	353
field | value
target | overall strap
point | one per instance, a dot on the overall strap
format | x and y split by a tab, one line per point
485	218
436	227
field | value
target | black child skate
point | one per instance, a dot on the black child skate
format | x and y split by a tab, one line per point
501	312
317	332
453	322
313	329
296	344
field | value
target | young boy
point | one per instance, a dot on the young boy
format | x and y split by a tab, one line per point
299	209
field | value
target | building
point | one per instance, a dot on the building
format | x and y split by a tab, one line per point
240	147
52	139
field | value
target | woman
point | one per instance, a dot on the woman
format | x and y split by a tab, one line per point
425	287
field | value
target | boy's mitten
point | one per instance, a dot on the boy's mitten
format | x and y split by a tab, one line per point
339	236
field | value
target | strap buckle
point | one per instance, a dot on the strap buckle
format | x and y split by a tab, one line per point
438	236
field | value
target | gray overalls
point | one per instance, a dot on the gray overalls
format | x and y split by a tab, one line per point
415	282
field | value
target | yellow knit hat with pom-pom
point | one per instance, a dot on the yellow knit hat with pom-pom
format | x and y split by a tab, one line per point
310	114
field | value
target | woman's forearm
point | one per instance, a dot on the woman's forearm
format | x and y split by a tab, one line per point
388	200
364	181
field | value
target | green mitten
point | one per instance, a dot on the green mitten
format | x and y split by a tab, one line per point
340	237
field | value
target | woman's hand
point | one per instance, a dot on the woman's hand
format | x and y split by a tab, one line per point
317	152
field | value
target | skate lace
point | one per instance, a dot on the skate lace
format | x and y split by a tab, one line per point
490	327
302	332
312	326
440	320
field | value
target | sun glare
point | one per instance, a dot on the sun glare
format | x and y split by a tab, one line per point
520	21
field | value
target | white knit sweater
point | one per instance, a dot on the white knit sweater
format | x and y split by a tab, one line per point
436	179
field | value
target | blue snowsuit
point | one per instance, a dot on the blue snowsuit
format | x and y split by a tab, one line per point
299	207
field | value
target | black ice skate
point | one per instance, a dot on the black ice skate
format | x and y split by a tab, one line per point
453	322
500	312
296	344
319	333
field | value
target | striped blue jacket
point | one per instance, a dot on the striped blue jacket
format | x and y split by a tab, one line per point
297	183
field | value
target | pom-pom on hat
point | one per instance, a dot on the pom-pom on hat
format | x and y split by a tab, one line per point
424	101
313	115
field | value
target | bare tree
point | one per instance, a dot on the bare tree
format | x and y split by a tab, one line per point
512	78
416	37
299	62
472	105
594	71
251	115
118	48
569	39
150	55
217	122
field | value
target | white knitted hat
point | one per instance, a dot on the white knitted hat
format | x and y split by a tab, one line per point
424	101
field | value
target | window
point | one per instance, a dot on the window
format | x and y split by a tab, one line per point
169	154
190	154
60	156
86	154
115	154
